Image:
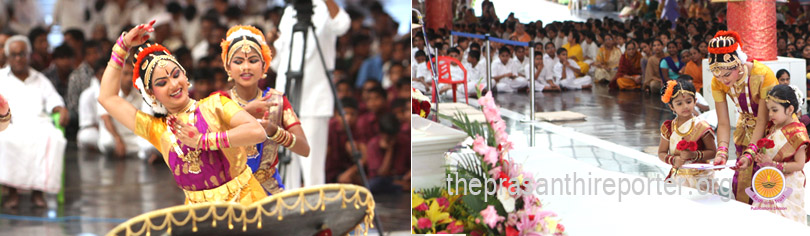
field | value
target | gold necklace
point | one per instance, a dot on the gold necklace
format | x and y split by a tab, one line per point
239	100
678	128
252	151
191	159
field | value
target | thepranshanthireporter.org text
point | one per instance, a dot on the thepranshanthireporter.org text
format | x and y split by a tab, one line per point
584	186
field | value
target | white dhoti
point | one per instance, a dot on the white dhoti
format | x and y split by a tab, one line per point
509	85
31	156
576	83
312	168
87	137
134	144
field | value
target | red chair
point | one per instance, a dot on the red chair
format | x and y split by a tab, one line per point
445	76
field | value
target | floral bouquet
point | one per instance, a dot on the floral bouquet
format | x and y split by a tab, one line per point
684	145
420	104
511	211
764	144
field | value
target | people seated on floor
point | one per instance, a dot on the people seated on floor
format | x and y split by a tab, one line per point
550	55
87	137
693	68
34	162
456	74
575	51
671	66
505	72
628	76
652	72
388	158
565	73
420	73
114	138
476	72
340	167
522	58
374	98
543	75
607	60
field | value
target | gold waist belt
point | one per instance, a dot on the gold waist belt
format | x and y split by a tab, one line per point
227	192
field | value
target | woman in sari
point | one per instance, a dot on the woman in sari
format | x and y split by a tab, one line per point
789	153
607	60
747	84
628	77
246	57
202	142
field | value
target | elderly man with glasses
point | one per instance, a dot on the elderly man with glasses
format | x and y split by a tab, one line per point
31	148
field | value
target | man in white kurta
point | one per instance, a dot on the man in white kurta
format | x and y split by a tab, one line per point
87	137
505	73
564	73
317	101
543	75
112	133
31	148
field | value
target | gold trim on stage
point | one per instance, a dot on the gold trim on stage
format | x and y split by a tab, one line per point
280	205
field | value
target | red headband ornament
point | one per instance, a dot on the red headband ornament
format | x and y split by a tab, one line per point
727	49
141	55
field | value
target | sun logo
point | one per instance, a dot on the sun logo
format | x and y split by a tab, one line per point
769	183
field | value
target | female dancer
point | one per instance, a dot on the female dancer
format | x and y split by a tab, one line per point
789	152
747	83
5	113
680	97
246	57
205	146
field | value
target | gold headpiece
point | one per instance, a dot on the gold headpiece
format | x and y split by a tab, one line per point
777	100
243	45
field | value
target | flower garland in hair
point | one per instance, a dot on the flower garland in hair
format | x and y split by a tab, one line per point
668	93
142	54
254	33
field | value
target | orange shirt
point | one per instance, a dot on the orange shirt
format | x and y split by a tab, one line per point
696	73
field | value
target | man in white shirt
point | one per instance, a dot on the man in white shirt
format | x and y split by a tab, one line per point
565	73
589	48
114	137
505	72
420	73
476	71
550	57
456	74
543	75
317	103
32	148
522	60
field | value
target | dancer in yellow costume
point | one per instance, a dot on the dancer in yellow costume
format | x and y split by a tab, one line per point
747	84
202	142
246	56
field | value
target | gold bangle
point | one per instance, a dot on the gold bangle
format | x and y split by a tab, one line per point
120	52
292	143
275	136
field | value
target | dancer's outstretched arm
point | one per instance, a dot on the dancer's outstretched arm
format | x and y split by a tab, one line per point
108	97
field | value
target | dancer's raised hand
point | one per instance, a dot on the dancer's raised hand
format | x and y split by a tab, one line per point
139	34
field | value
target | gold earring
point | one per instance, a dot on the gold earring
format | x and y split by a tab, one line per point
264	76
153	99
794	115
230	79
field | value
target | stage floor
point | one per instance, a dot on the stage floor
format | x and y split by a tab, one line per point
101	192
